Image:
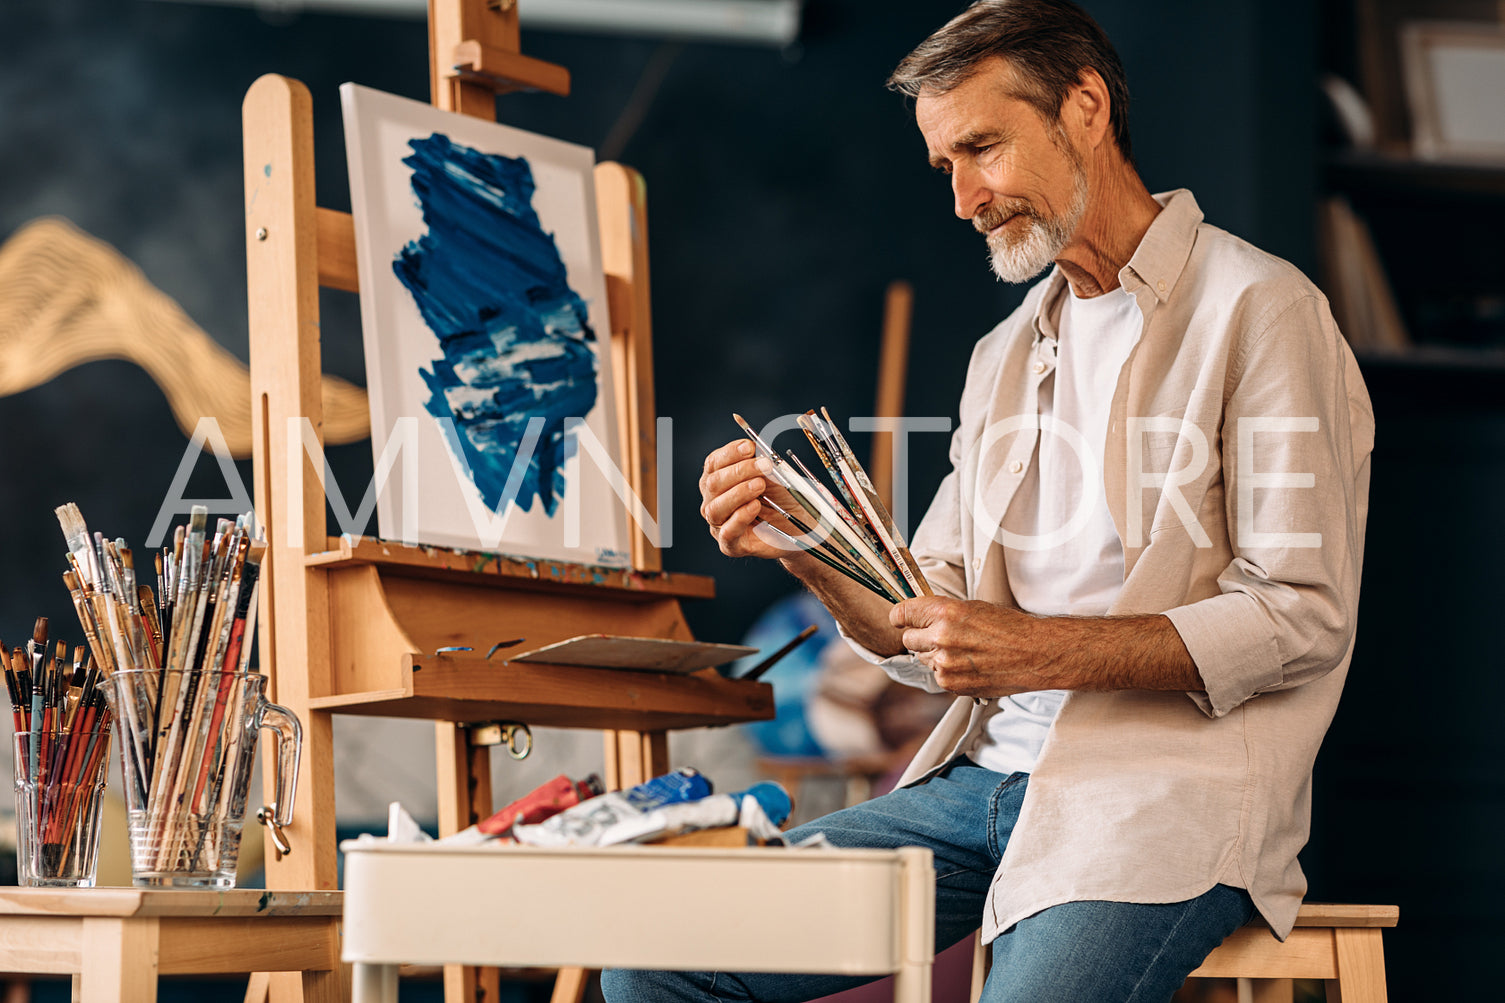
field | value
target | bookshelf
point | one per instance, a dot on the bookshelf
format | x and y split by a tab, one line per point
1429	602
1409	247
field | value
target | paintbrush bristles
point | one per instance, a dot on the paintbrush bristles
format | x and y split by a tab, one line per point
76	533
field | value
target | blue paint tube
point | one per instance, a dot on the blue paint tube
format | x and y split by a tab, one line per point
761	809
588	822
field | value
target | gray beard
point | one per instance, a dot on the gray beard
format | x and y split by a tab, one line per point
1046	237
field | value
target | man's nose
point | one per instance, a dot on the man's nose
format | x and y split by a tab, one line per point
971	195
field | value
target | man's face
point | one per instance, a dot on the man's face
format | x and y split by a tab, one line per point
1018	179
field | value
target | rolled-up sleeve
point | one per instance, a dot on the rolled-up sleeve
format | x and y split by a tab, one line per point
904	668
1296	443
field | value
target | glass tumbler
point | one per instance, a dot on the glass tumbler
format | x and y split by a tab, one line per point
60	784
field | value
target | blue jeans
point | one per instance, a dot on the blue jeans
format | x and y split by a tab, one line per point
1080	952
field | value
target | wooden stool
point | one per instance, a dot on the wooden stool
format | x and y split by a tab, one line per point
116	941
1337	943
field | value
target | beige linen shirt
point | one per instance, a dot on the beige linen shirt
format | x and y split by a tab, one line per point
1236	468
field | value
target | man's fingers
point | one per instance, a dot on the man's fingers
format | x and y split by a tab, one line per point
723	479
737	525
718	509
737	449
919	612
918	641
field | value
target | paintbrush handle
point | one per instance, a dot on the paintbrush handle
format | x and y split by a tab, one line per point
36	733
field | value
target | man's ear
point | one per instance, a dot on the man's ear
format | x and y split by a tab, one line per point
1087	109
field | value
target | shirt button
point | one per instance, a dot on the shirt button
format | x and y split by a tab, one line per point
977	564
1015	467
1160	285
1039	367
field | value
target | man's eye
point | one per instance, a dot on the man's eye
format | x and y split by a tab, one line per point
983	149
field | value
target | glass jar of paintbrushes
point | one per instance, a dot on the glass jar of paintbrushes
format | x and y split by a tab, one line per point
188	709
62	750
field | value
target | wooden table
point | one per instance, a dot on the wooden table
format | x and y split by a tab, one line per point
868	912
116	941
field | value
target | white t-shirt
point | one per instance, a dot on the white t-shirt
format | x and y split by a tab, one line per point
1066	559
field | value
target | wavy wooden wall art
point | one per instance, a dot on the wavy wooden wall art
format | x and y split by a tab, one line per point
67	298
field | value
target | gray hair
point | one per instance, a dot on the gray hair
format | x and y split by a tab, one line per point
1047	44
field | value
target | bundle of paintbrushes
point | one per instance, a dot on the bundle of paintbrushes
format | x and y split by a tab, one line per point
850	531
62	738
173	660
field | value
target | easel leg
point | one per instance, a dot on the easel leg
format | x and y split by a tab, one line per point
464	800
631	758
635	756
120	960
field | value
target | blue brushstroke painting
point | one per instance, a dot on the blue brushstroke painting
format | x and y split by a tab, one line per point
516	339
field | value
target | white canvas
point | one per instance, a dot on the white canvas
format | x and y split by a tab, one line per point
479	264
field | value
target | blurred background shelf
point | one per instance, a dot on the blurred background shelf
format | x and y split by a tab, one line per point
1435	358
1369	173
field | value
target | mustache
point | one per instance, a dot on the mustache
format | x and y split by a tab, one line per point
990	216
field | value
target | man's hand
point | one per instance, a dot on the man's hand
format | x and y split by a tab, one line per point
732	488
982	649
976	649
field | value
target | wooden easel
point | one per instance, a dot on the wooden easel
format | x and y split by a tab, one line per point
356	626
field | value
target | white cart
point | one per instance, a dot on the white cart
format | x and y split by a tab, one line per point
753	909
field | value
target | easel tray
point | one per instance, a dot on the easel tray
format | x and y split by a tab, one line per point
467	687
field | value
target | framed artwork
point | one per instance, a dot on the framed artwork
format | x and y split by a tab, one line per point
487	342
1455	78
1378	27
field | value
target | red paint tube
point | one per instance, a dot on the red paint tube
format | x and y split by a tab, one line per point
543	802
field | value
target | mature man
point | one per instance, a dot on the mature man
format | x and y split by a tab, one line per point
1146	557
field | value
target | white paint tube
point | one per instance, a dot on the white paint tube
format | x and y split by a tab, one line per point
762	803
585	823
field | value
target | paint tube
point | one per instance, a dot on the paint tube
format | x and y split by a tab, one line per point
587	822
542	802
762	807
